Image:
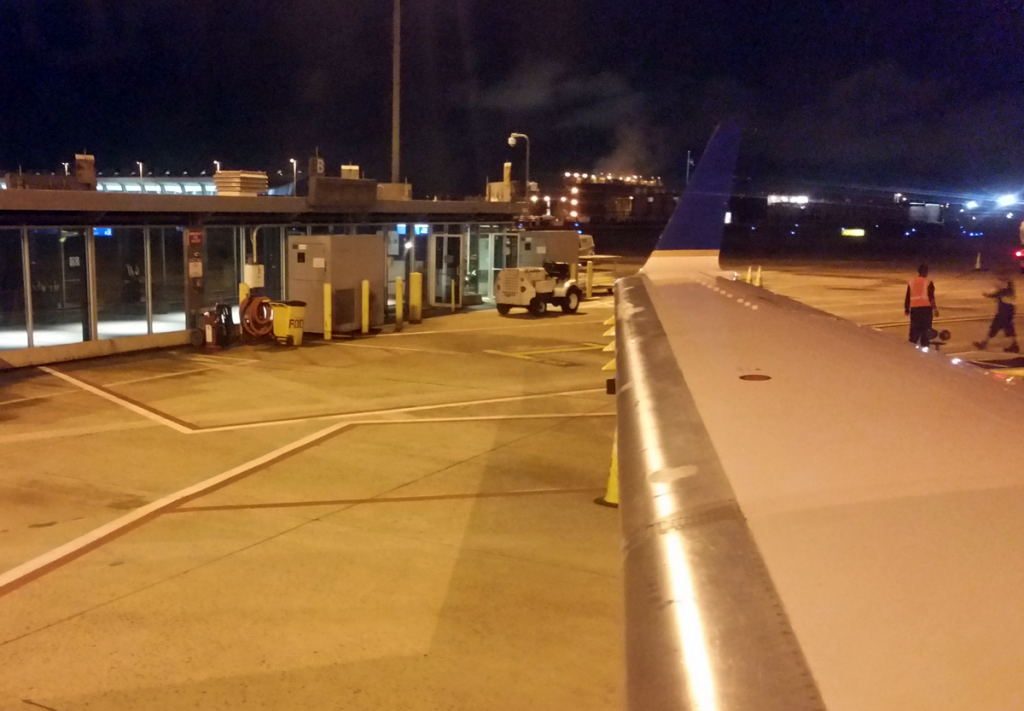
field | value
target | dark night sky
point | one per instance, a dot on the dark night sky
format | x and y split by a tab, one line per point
875	92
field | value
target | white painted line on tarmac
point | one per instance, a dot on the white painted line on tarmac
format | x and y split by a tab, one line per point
392	411
158	377
73	432
67	552
40	565
149	415
510	327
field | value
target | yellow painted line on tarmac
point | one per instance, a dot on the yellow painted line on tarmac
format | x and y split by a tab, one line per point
563	349
545	323
965	319
398	348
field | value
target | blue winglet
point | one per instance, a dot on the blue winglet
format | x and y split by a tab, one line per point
699	218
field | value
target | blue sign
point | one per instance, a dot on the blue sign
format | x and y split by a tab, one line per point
102	231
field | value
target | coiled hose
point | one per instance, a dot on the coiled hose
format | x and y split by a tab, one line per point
256	316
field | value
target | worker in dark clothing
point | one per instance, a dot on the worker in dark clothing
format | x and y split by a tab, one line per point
920	304
1005	297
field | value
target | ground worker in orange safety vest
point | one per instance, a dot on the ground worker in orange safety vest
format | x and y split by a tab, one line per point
920	304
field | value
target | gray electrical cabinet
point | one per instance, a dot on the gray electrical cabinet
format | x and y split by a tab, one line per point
539	246
343	261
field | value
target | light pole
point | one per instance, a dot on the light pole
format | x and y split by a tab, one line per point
216	166
512	142
66	171
139	163
295	176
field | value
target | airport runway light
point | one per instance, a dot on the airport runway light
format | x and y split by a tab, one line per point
1006	200
512	141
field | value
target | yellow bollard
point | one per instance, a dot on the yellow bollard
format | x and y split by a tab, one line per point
399	303
364	327
243	292
757	277
590	279
451	285
611	496
415	297
574	271
328	312
749	274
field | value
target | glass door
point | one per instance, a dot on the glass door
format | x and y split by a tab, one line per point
447	270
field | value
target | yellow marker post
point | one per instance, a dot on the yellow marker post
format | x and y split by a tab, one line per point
415	297
451	285
399	303
757	277
243	292
328	312
364	327
574	271
611	496
749	274
590	279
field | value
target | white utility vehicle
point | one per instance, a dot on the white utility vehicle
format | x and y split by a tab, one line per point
533	288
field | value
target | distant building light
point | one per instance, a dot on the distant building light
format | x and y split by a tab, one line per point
853	232
1009	215
728	218
573	214
568	175
574	201
533	198
971	204
575	175
563	198
421	229
788	199
574	191
1006	200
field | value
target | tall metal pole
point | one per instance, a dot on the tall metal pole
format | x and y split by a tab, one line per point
396	87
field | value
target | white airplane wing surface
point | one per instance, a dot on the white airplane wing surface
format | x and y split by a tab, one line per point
815	516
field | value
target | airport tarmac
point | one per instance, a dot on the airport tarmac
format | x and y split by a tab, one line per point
400	521
872	295
404	521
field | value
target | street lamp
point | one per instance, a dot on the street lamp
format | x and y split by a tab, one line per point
512	142
295	176
66	171
216	165
139	163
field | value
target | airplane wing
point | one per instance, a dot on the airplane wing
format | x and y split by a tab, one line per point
814	515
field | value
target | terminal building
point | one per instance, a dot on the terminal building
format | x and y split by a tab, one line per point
90	267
